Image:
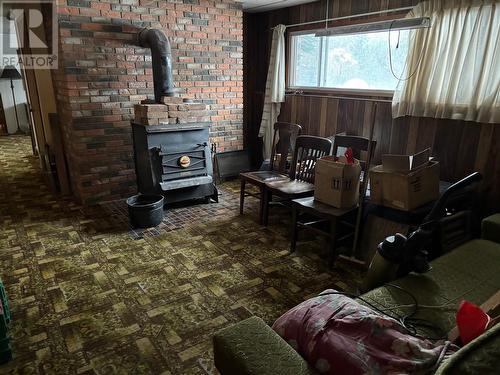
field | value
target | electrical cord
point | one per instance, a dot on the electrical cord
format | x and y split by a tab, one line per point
407	321
404	320
450	303
437	307
420	57
415	301
412	324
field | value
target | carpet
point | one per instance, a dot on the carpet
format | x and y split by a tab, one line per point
89	295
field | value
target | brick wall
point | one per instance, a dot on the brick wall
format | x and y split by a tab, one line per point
103	73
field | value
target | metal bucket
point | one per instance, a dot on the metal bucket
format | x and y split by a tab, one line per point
145	211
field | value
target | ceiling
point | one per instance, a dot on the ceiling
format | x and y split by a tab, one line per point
255	6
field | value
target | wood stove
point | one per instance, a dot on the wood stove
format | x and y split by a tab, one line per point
171	134
174	160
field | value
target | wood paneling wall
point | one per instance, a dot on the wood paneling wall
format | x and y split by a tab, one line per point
461	147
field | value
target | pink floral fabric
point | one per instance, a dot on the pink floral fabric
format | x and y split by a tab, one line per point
337	335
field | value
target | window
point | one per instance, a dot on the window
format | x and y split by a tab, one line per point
350	62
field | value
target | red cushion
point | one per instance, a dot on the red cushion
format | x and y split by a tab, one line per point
471	321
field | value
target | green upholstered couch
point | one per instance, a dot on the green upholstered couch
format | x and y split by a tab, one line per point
471	271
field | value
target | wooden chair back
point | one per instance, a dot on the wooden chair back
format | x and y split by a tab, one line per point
359	145
308	149
285	135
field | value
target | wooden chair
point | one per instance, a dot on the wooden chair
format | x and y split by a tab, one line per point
327	220
285	135
359	146
300	181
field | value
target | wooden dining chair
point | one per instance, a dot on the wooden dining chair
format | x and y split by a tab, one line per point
300	181
284	138
359	146
326	220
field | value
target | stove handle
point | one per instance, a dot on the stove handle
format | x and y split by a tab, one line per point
204	144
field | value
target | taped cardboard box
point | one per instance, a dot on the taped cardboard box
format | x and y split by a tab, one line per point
336	183
405	190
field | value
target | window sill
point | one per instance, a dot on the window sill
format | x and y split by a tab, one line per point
332	91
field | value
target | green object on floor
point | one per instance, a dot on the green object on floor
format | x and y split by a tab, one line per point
468	272
5	349
5	302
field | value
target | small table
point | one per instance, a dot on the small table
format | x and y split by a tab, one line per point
322	214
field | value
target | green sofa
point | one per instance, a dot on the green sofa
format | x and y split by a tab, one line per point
471	271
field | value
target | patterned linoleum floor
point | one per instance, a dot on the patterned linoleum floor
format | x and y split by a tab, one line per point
90	296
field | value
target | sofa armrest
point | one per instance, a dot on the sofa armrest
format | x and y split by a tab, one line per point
252	347
480	356
490	228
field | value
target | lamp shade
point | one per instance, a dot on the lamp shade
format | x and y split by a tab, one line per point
10	72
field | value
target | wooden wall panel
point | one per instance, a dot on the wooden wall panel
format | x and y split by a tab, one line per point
468	146
399	136
332	121
461	147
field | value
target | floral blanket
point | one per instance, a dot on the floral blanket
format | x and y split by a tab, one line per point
337	335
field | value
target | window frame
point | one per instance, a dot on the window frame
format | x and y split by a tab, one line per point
322	90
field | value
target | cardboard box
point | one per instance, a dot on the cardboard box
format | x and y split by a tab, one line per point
405	163
336	183
405	190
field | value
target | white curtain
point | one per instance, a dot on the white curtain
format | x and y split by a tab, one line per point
455	63
275	89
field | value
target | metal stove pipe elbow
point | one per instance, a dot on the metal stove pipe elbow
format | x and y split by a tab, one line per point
161	54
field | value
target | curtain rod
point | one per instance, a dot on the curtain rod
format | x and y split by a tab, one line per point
348	17
339	97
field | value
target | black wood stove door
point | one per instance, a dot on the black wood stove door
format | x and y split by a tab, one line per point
191	162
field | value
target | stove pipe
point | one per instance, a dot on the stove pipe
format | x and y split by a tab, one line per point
162	61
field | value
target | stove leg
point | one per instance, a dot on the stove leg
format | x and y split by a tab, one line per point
215	196
265	213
